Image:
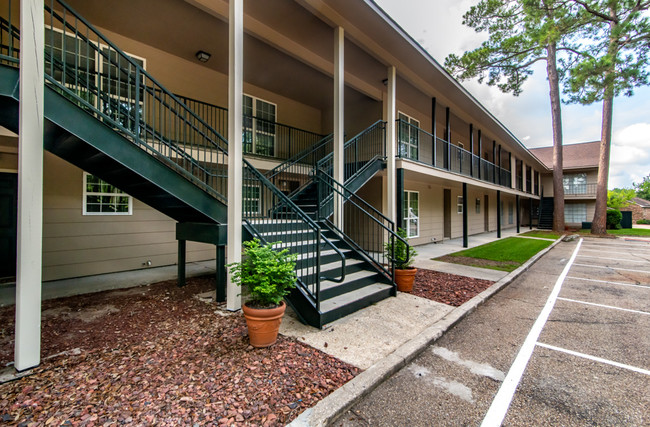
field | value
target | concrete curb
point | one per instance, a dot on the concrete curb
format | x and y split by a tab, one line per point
334	405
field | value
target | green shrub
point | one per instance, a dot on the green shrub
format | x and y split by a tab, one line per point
643	221
614	219
402	256
268	274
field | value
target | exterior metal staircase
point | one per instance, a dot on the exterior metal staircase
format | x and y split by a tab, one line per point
546	209
121	125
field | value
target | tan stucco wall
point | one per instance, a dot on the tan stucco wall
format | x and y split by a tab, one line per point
76	245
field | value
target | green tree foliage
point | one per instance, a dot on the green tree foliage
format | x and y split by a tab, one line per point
522	33
643	188
619	198
613	62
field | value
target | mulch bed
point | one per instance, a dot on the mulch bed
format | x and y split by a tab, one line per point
447	288
158	355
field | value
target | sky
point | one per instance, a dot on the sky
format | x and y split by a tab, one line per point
437	26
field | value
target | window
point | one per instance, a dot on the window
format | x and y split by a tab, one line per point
510	213
575	183
411	213
86	68
575	212
408	136
259	126
478	206
459	204
251	199
102	198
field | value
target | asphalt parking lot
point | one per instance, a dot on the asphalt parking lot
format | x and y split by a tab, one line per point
567	343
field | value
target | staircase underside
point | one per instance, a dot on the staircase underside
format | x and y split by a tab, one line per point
84	141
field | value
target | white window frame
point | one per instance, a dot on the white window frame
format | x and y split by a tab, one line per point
254	128
571	186
478	205
119	194
511	211
410	215
412	141
459	204
571	211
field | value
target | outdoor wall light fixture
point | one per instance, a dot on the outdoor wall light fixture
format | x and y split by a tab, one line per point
385	82
202	56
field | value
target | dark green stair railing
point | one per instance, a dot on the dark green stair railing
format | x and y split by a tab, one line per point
270	213
89	70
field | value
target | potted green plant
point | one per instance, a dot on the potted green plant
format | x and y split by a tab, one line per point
402	256
269	276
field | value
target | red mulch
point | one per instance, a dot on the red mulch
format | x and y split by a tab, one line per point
447	288
157	355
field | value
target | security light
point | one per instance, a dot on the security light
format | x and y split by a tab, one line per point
202	56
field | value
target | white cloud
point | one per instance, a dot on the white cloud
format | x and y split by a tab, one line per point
630	155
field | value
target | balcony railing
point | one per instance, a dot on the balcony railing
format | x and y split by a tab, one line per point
419	145
588	189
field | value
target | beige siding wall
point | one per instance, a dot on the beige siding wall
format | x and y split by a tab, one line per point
196	81
76	245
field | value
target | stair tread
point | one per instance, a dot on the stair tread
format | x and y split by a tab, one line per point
350	297
349	278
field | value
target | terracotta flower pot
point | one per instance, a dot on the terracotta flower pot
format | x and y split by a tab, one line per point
404	279
263	324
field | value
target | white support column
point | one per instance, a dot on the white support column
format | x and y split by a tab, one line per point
513	175
391	146
27	350
523	180
235	94
339	129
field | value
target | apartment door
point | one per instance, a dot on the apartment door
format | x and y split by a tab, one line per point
486	212
447	214
8	211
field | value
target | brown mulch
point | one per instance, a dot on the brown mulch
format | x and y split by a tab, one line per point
479	262
447	288
158	355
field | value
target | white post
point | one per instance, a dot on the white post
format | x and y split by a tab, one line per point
27	350
523	180
513	175
339	137
391	146
235	94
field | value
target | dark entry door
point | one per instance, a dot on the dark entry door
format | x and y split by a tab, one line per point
8	210
447	214
486	212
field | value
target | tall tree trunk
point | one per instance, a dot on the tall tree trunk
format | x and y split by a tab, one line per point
599	223
556	118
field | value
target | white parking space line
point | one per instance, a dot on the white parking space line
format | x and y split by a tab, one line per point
501	402
608	282
595	358
613	268
604	306
612	259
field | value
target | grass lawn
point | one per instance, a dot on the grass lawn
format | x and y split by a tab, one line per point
625	232
505	255
543	234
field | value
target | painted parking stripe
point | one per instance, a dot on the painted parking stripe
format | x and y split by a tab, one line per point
501	402
608	282
604	306
612	259
613	268
595	358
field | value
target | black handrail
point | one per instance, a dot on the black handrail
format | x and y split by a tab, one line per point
364	228
274	209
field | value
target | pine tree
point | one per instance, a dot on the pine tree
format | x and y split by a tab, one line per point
614	63
522	33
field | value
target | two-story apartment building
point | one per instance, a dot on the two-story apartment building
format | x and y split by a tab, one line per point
348	128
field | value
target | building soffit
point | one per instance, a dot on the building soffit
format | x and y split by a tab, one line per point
355	17
285	44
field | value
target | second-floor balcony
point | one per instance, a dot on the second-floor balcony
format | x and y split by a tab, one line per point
586	190
421	146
